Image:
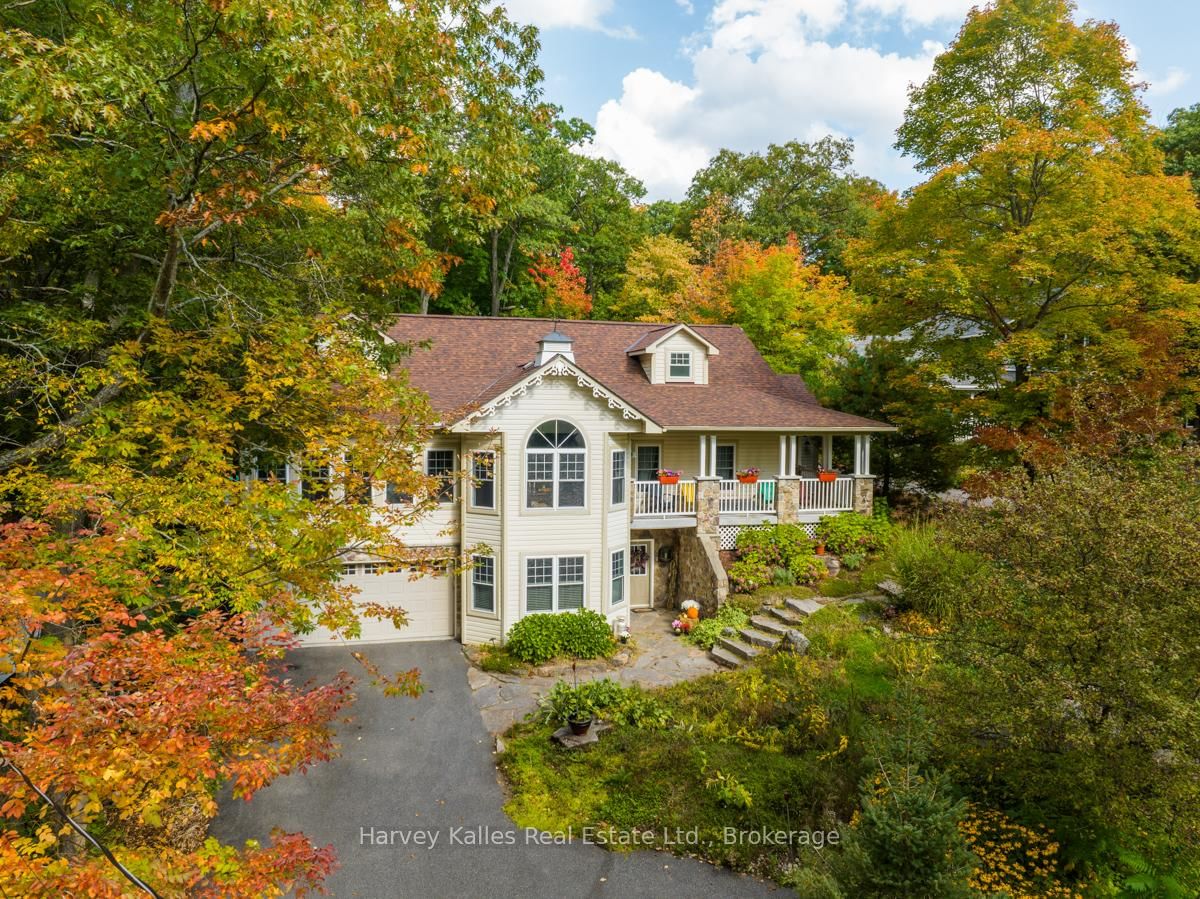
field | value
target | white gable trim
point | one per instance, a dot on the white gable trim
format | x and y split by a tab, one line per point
558	367
670	332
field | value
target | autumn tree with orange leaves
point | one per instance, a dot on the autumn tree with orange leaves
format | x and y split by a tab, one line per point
1047	253
207	211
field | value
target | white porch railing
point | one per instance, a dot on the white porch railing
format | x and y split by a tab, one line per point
738	497
652	499
826	496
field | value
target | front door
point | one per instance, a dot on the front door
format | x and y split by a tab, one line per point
641	574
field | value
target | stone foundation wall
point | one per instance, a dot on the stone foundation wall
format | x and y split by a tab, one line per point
701	576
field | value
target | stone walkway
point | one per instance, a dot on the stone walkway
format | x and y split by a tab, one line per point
659	659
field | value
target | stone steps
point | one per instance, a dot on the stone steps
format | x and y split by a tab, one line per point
787	616
803	607
756	637
724	657
771	624
737	647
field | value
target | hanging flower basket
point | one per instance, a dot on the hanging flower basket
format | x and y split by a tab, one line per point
827	477
748	476
666	476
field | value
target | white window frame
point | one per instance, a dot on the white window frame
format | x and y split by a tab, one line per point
621	578
316	474
620	478
686	357
733	465
282	466
637	462
449	474
483	567
556	453
475	479
555	584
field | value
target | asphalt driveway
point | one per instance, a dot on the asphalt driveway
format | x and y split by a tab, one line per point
413	766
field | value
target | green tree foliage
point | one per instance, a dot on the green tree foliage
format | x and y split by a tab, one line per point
1075	669
659	275
1047	237
206	211
882	381
560	198
803	189
1180	144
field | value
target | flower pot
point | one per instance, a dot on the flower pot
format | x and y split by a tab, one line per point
693	613
827	477
579	727
820	549
747	479
668	479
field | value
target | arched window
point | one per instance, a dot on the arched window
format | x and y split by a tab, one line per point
555	465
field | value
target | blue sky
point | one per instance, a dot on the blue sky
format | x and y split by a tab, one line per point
669	82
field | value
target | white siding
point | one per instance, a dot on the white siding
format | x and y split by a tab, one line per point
617	525
440	526
555	532
481	528
679	342
681	450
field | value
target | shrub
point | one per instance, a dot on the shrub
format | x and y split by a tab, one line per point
808	569
780	554
775	545
582	635
706	632
747	575
630	706
906	841
853	532
935	576
853	561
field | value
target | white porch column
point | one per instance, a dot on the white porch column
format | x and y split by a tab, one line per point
700	472
827	451
712	456
783	448
862	455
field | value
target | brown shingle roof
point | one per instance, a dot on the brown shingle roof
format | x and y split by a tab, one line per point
471	360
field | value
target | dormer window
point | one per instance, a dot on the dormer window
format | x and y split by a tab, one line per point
679	366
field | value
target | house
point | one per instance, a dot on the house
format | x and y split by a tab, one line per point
551	439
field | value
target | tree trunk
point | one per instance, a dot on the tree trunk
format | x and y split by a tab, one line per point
500	269
497	284
426	296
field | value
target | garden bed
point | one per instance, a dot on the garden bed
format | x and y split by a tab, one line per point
767	746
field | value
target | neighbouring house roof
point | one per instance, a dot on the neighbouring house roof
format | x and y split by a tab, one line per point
471	360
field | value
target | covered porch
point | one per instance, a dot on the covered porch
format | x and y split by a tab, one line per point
787	486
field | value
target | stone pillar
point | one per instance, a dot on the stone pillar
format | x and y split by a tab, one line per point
864	494
787	500
708	505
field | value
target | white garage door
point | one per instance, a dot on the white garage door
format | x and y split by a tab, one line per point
428	601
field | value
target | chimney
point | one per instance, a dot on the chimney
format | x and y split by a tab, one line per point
555	344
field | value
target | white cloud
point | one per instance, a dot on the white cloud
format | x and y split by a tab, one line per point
647	132
1168	83
686	6
766	71
547	14
918	12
